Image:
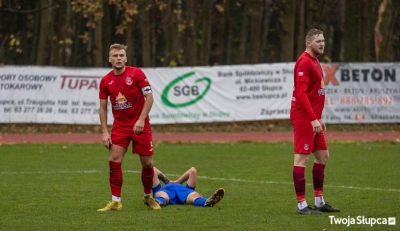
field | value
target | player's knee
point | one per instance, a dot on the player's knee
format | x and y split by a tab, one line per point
324	159
147	164
193	170
321	157
302	163
301	160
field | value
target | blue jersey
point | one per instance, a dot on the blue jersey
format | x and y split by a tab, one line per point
177	193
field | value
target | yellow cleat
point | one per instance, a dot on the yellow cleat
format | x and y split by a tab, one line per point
149	201
111	205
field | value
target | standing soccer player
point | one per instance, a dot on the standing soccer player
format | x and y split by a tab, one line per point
131	100
308	102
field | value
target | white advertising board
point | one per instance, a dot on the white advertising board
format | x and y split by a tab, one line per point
355	93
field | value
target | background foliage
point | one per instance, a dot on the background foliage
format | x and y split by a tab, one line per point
78	33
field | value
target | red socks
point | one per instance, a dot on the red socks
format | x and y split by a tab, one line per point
115	178
299	183
318	179
147	179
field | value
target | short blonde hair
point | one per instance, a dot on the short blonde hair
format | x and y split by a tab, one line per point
312	32
117	46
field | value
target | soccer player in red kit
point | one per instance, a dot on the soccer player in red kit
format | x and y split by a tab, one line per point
131	99
306	111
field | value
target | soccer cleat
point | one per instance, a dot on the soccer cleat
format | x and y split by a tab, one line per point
149	201
215	198
111	205
326	208
308	210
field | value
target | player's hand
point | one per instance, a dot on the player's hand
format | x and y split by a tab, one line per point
138	127
106	139
323	125
317	128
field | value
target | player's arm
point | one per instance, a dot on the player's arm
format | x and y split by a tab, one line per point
190	176
302	76
160	176
106	139
305	104
139	125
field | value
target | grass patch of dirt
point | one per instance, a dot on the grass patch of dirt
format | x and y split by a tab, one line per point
246	126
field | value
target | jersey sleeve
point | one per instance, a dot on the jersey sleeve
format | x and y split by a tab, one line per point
103	92
143	82
302	79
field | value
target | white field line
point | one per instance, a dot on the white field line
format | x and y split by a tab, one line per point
201	177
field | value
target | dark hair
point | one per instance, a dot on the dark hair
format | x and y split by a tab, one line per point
311	33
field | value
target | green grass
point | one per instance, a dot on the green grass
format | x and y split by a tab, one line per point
60	187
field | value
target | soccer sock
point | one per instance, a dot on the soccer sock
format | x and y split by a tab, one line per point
319	201
200	201
115	180
302	205
147	179
318	181
300	186
116	199
162	200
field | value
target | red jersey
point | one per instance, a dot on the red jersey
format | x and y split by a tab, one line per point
126	92
308	97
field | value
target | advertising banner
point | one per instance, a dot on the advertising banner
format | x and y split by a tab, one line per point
362	93
355	93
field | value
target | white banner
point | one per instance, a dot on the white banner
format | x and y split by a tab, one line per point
221	93
356	93
362	93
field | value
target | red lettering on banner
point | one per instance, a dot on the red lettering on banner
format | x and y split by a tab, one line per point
79	82
359	117
330	74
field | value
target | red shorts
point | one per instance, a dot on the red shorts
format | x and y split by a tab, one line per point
142	143
306	140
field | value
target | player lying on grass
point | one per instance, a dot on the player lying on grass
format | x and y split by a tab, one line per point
173	192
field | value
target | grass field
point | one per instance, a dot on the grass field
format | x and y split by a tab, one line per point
60	187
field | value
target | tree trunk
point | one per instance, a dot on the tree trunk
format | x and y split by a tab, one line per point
107	29
243	34
229	33
351	44
288	36
144	22
98	43
43	33
255	11
191	37
206	32
267	14
300	32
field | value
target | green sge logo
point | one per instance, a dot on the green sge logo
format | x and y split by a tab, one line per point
184	90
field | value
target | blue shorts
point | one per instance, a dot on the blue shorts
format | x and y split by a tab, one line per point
177	193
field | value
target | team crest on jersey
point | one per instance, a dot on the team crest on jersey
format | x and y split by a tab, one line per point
129	80
306	147
121	102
